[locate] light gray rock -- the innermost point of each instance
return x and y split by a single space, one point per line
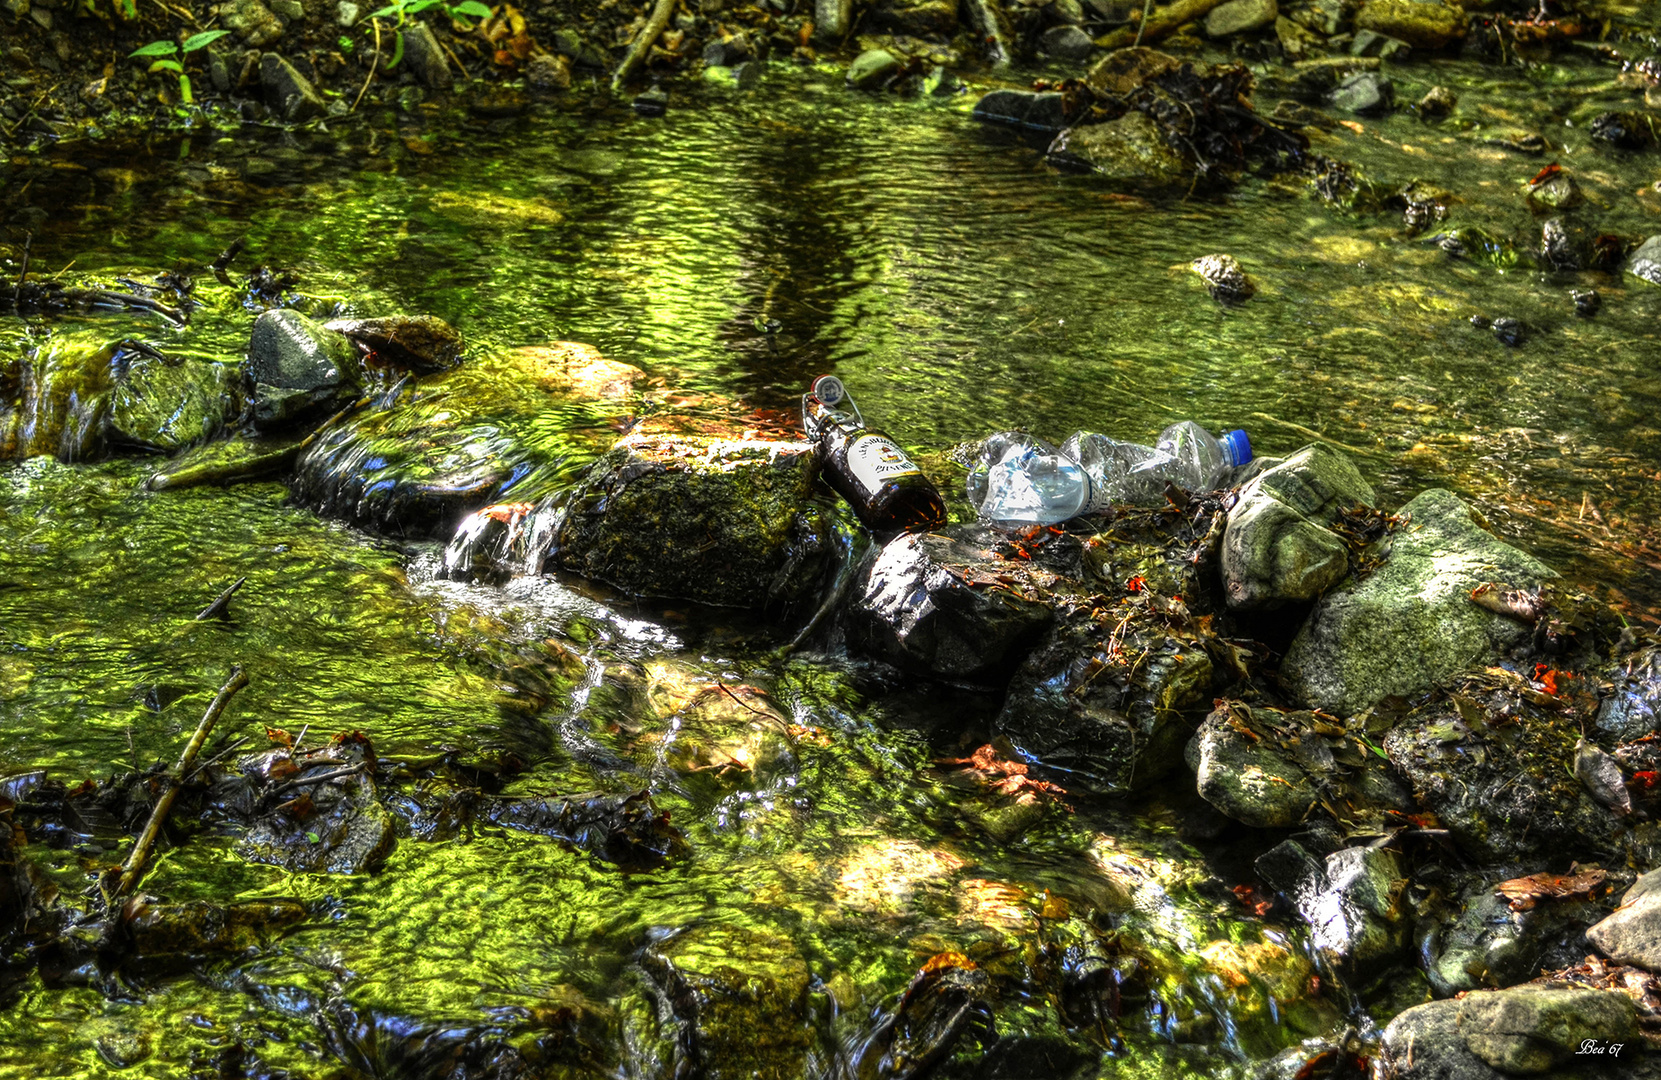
251 21
1646 261
297 367
1277 547
1242 775
871 69
832 19
1240 16
1411 623
1366 93
424 57
1632 935
1531 1029
1425 1043
288 93
1068 42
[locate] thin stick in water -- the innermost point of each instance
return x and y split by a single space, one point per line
221 607
134 867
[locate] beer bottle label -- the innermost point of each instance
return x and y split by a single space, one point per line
874 461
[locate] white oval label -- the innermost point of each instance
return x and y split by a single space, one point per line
875 461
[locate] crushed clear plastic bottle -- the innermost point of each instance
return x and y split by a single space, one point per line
1019 481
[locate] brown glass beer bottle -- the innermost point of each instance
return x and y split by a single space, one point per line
866 467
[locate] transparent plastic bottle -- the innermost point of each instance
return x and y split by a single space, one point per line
1020 481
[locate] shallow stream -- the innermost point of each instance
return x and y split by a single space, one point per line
958 285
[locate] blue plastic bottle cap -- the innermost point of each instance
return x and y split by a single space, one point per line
1239 446
829 389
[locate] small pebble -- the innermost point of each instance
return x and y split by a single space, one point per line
653 102
1509 331
1586 302
1480 322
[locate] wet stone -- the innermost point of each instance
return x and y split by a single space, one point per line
1372 43
1510 331
919 18
932 603
1531 1029
1022 108
1067 43
653 101
1421 25
1352 900
1240 773
1494 767
1646 261
737 513
1365 93
1632 707
1492 944
1131 149
1628 130
420 343
1438 102
1224 278
297 368
169 403
288 93
744 76
253 22
1632 935
1240 16
872 69
424 57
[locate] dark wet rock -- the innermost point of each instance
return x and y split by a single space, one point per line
942 1005
932 603
729 49
1421 25
653 101
1224 278
423 56
1366 93
498 103
288 93
227 461
1563 246
1632 935
297 368
1068 43
1510 331
1631 708
1372 43
1531 1029
1628 130
1586 302
1240 16
251 21
420 343
1109 703
919 18
122 1048
1124 70
737 999
1492 944
1024 108
872 69
549 71
1352 900
1492 759
1438 102
1130 149
168 403
1300 115
1278 546
1646 261
569 42
941 82
626 829
1411 623
737 513
332 820
157 935
1296 42
1241 773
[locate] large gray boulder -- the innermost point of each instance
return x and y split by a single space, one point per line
1532 1029
297 368
1632 935
1411 624
933 603
1277 547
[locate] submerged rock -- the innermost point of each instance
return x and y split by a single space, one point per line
1412 622
289 94
1224 278
1421 25
297 368
872 69
169 403
1365 93
1628 130
333 822
162 936
934 603
1278 546
1131 148
1492 758
1024 108
737 514
420 343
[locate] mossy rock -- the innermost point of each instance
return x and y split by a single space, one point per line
1131 149
1421 25
53 400
167 403
722 521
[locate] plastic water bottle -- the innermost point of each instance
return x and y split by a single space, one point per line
1021 481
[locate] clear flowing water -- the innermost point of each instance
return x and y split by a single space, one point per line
958 285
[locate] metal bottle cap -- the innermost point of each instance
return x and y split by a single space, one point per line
829 389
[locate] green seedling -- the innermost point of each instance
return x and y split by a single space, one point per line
170 57
405 8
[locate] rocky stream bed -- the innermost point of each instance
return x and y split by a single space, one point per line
586 733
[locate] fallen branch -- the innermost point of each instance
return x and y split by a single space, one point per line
221 606
643 43
1160 24
134 867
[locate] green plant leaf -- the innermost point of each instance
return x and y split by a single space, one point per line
167 65
126 10
391 9
314 838
346 44
184 89
397 51
206 37
155 48
471 7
